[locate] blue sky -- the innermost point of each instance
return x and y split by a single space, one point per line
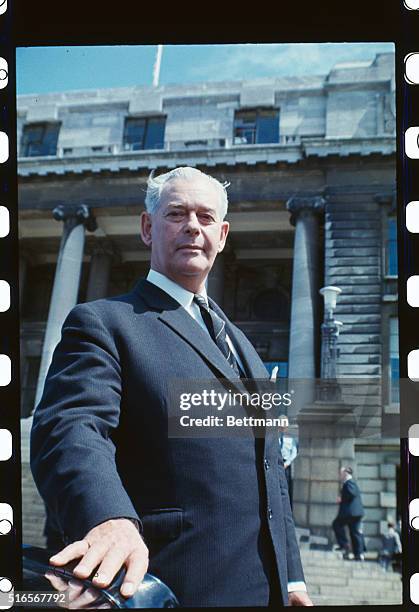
54 69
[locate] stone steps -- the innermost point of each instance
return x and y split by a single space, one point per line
341 565
339 586
331 580
348 568
326 600
366 594
383 582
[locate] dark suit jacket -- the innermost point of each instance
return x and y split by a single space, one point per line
351 504
218 526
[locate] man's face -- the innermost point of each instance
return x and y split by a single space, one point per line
186 232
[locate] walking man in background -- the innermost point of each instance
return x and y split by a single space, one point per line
392 546
350 514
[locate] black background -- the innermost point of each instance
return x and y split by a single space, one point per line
93 22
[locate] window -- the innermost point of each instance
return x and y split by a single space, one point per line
257 126
38 292
391 247
270 305
394 361
40 139
144 133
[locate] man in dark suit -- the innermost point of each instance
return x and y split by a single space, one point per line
205 515
350 514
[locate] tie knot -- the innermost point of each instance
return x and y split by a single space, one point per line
201 301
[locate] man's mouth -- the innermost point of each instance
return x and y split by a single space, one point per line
190 247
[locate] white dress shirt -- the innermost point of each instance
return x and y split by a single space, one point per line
185 299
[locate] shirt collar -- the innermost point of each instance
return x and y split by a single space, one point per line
178 293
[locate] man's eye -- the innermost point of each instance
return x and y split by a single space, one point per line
207 217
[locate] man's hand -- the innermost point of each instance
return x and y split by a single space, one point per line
105 549
299 598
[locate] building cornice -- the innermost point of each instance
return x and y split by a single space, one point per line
342 147
249 155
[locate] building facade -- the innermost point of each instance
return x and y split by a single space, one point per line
311 166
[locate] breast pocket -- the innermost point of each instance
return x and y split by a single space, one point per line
162 524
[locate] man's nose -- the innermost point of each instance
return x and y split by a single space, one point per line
192 224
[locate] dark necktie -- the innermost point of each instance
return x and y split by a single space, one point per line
216 328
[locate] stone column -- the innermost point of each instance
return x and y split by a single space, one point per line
99 272
305 212
66 281
215 283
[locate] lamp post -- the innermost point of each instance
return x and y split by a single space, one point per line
329 388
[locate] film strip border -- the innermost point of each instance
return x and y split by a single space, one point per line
10 496
408 192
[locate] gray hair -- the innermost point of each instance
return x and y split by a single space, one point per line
156 184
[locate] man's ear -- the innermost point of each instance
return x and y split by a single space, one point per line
145 228
225 226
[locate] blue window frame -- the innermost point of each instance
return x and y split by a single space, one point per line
394 361
391 246
258 126
40 139
144 133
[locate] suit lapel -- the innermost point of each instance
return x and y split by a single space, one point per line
175 316
186 327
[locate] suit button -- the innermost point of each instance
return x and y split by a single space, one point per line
270 513
267 464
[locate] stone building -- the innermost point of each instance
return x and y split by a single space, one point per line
311 162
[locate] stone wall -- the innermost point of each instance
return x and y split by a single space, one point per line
374 468
33 510
376 476
353 248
